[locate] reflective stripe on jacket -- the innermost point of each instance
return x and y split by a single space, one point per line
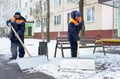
18 21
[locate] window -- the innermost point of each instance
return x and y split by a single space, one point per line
68 17
16 6
57 3
30 0
45 21
69 0
90 14
37 8
57 20
26 4
30 11
20 3
45 6
38 23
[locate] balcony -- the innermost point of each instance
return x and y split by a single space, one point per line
113 3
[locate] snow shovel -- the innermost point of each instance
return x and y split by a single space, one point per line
28 62
77 65
81 64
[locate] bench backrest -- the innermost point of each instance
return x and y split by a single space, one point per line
62 39
85 40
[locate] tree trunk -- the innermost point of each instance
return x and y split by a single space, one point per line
48 21
41 22
81 8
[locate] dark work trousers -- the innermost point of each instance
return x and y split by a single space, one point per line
73 45
14 47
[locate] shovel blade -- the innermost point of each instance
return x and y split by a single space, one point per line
31 62
81 63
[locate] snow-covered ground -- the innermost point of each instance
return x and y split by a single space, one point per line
107 67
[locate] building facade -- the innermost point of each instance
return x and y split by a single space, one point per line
98 18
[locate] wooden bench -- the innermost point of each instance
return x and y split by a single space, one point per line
63 43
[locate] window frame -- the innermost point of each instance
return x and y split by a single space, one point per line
69 1
31 11
90 16
45 6
26 4
31 0
38 23
68 17
57 20
45 21
57 3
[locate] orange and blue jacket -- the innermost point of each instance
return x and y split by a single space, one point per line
19 21
74 28
19 26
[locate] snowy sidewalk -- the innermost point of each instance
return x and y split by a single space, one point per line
12 71
107 67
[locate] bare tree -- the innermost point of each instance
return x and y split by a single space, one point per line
48 21
81 9
41 21
40 14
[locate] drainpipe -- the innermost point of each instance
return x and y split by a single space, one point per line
113 22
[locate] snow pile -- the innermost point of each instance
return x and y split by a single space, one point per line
4 46
107 68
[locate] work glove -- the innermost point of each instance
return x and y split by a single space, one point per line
9 24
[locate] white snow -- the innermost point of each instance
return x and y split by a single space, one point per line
107 67
31 62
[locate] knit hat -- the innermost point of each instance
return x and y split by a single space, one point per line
17 12
78 14
73 14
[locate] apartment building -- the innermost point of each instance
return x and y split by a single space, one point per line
98 18
115 4
105 23
59 16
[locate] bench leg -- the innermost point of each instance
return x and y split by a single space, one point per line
62 50
55 50
94 50
104 50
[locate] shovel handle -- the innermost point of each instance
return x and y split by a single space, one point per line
20 40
